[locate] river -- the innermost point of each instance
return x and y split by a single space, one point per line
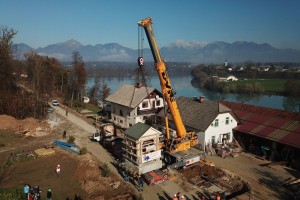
182 86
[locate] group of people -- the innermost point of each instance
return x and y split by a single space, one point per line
178 197
33 193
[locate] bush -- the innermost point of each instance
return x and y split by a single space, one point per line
71 139
105 171
83 151
11 193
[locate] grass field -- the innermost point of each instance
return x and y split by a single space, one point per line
92 107
270 85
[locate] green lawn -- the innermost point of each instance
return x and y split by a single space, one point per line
270 85
92 107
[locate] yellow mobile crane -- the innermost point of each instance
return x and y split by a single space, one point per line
184 140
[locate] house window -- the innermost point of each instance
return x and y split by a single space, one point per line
227 120
158 102
121 112
216 123
130 125
121 121
145 104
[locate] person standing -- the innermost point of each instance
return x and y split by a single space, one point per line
57 170
26 190
67 113
64 134
141 183
182 197
175 197
178 195
49 194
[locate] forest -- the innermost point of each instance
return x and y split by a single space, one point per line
28 86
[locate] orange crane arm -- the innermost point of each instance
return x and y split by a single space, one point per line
165 82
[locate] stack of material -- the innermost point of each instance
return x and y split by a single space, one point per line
44 152
67 146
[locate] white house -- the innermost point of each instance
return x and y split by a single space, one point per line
227 79
212 122
131 104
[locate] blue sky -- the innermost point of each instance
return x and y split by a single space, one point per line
43 22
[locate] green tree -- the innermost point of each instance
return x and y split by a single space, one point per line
292 88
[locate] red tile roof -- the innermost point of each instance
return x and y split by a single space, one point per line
277 125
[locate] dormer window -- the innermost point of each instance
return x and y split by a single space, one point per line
145 104
216 123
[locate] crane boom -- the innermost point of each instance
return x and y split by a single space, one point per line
165 82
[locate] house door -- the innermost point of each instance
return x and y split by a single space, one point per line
225 138
213 139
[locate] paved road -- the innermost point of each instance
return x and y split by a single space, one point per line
163 191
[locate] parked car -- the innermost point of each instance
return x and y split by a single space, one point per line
55 103
50 110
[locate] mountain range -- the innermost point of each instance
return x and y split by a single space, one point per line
179 51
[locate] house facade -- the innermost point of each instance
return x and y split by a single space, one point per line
131 104
141 149
211 121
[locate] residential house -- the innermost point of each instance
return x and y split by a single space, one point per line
228 78
131 104
211 121
142 149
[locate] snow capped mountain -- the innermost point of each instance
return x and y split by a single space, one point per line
178 51
186 44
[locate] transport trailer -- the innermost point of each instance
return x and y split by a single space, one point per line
155 177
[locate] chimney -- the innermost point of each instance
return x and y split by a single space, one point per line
201 99
138 85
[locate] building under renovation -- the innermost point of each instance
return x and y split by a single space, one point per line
141 149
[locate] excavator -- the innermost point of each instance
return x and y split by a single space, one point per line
177 150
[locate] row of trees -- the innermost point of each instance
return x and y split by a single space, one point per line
26 87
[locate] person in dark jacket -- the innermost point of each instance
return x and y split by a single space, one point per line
49 194
141 183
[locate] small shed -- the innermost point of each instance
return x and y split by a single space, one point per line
142 151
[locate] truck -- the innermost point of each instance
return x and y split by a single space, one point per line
178 151
109 139
105 131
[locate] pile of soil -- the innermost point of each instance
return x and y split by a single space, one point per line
28 127
98 187
207 175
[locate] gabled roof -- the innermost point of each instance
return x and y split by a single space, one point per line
137 130
129 95
198 115
273 124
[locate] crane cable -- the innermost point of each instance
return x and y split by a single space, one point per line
141 69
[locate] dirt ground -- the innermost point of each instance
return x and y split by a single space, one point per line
80 175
